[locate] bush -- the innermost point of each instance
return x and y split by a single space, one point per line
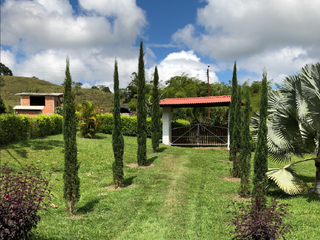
258 221
22 195
16 128
129 124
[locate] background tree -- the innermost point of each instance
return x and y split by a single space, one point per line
130 93
104 88
71 179
117 138
4 70
2 106
236 135
261 154
245 152
294 126
156 113
141 114
77 86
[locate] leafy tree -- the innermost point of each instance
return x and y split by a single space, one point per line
117 138
141 114
77 86
2 106
236 135
156 113
4 70
95 87
245 152
71 179
261 154
294 126
130 93
88 115
104 88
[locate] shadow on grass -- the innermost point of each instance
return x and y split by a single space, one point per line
46 145
162 149
127 182
88 207
151 160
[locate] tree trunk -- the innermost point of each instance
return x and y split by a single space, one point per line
316 187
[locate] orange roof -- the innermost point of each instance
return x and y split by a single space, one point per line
212 101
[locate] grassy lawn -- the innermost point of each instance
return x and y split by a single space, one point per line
184 196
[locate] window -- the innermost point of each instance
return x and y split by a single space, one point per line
37 101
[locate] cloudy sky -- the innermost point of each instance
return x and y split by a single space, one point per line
178 36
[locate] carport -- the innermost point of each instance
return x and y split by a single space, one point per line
169 103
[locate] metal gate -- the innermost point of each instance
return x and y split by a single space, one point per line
200 134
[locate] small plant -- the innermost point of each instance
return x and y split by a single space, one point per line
22 195
58 110
89 115
258 221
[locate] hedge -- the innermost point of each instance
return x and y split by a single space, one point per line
129 125
21 127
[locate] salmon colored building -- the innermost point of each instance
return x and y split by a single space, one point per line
33 104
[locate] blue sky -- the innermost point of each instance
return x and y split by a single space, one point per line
178 36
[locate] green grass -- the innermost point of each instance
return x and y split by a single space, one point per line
15 85
184 196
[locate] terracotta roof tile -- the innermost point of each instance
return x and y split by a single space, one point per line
211 101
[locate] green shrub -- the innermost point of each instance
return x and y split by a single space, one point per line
16 128
129 124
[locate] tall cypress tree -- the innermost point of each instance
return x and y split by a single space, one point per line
117 138
236 135
155 123
141 113
261 154
232 105
71 179
245 152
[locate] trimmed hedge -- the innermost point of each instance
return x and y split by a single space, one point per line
21 127
129 125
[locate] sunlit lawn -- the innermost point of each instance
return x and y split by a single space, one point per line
184 196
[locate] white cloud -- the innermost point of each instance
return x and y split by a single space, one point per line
40 24
187 62
281 36
41 33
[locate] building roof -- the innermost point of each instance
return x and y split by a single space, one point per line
39 108
40 94
212 101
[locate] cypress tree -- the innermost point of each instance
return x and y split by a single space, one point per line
232 105
245 152
141 113
236 135
117 138
155 123
71 179
261 154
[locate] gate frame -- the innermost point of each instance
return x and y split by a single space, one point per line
168 103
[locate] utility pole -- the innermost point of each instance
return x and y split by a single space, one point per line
208 90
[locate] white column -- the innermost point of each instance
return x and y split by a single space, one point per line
166 125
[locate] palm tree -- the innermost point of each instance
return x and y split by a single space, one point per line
294 126
88 115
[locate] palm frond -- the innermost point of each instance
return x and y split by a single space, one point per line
285 179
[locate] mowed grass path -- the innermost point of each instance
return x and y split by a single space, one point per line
184 196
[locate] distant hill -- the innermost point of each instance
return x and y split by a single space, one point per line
13 85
